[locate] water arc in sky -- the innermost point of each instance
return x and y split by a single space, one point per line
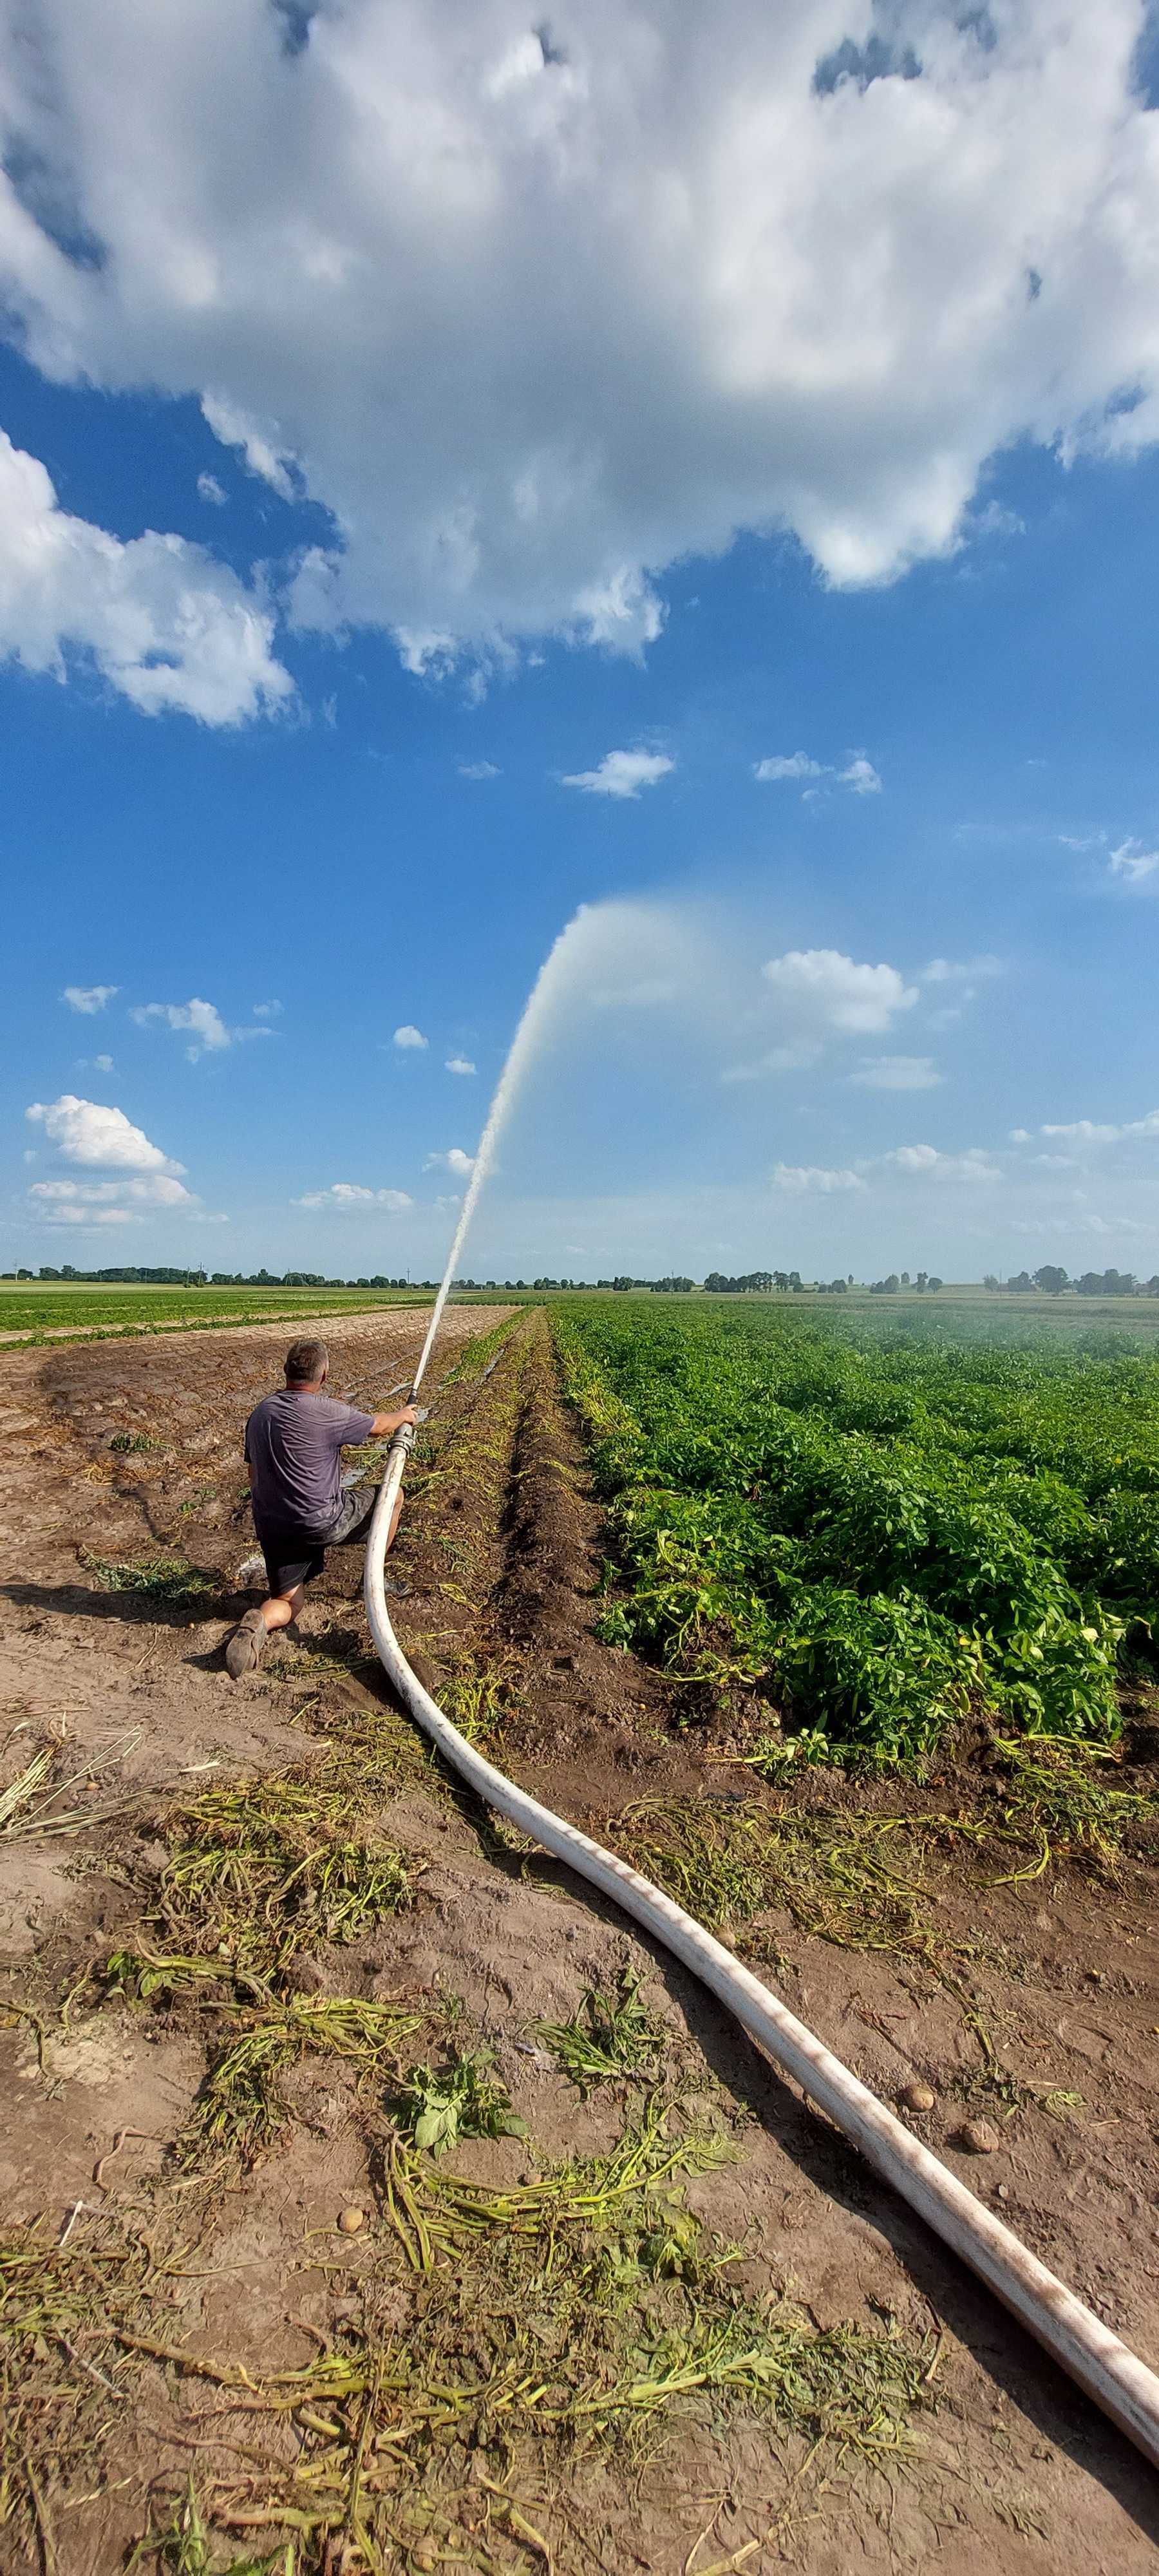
583 945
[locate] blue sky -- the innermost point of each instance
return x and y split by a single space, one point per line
363 616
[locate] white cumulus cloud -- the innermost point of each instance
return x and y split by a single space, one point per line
409 1037
459 1064
811 284
88 998
622 773
898 1073
811 1179
822 987
161 620
454 1160
350 1197
478 770
86 1131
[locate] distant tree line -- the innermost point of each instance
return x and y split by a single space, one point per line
753 1282
750 1283
1050 1277
1093 1283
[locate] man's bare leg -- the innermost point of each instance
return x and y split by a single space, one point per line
249 1640
281 1607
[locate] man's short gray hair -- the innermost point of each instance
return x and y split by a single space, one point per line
306 1363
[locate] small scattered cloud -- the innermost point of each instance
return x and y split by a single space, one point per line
201 1021
267 1010
1093 1131
479 770
898 1073
459 1064
792 764
89 1132
810 1179
963 970
351 1197
103 1063
831 990
88 998
779 1059
622 773
408 1037
454 1160
994 520
1132 863
1021 1136
1082 840
209 489
858 775
928 1162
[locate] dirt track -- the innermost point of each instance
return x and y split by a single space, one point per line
500 1554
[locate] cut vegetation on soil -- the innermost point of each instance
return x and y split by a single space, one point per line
374 2200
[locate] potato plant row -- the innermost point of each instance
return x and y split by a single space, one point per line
875 1527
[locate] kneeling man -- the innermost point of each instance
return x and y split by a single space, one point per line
293 1445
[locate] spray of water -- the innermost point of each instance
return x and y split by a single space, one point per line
596 934
551 981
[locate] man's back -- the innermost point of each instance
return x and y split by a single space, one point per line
293 1442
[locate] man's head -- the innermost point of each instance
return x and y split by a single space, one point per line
307 1364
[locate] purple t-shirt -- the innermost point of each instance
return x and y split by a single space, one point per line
294 1443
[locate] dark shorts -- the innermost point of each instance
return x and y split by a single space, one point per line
296 1556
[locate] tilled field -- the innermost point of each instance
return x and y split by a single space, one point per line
263 1960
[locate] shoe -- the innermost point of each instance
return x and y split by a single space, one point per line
247 1645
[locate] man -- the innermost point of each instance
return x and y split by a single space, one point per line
293 1445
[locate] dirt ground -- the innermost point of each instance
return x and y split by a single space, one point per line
243 2285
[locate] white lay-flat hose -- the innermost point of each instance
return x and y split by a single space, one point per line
1118 2381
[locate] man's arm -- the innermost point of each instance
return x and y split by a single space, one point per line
386 1423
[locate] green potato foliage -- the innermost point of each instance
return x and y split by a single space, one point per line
876 1527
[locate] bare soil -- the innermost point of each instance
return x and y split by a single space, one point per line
495 1573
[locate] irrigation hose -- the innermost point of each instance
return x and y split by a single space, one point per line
1105 2367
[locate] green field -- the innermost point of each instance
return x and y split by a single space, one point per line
33 1312
872 1522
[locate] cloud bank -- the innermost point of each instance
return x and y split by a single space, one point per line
849 266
